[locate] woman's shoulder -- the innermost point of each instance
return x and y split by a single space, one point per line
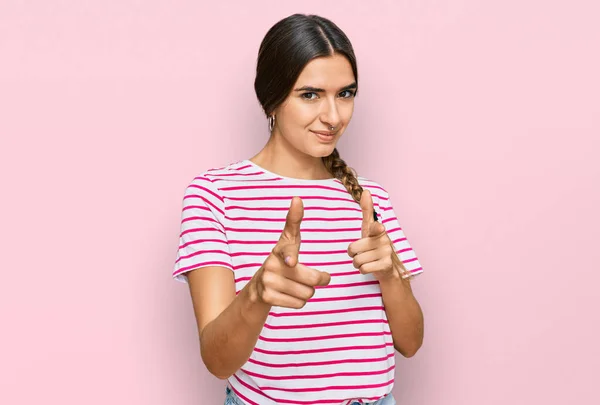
231 168
229 171
227 176
372 185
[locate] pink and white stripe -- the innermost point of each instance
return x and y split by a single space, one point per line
338 347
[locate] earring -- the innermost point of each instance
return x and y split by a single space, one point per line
271 122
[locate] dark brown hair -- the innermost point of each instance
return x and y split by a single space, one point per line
284 52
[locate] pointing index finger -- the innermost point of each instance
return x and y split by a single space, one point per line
288 246
291 229
369 216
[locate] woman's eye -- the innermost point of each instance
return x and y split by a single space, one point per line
349 93
309 94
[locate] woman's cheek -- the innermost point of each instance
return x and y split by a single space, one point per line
307 113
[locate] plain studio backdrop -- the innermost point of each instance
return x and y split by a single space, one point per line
481 118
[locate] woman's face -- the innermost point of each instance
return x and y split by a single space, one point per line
322 97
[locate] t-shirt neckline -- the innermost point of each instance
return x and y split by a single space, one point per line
329 180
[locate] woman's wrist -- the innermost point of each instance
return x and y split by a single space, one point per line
396 277
253 309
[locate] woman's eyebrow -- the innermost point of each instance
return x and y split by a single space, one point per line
318 90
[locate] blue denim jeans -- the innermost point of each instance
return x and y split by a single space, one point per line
232 399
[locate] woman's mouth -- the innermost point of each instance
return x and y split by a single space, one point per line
325 136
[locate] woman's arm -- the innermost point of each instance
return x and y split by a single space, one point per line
404 314
375 254
228 326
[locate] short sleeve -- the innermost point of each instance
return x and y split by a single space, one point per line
202 241
404 249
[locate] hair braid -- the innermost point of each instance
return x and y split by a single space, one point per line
341 171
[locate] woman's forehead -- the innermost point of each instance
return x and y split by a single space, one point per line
328 73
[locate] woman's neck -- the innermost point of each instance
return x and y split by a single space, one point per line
289 162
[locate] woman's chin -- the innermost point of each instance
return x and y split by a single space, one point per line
323 150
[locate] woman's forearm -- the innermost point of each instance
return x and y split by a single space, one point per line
404 314
227 342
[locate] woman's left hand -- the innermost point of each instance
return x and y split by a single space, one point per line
374 253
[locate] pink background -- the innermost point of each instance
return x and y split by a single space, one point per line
480 117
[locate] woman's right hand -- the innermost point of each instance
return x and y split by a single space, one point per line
281 280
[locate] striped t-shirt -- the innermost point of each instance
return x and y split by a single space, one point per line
338 347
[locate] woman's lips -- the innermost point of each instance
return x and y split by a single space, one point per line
324 136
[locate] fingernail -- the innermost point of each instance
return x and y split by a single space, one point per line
287 260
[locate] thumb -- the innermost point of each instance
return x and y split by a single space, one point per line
366 204
325 279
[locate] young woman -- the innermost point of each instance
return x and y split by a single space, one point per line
298 269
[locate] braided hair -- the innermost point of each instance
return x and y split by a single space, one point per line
341 171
